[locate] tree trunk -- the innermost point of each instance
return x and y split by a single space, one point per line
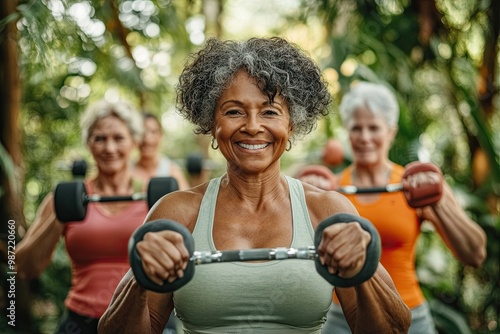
15 295
487 90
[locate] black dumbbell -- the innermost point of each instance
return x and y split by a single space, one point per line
71 198
79 168
194 163
204 257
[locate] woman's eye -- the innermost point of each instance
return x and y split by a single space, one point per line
355 129
232 112
270 112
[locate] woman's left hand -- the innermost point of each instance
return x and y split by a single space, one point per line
343 248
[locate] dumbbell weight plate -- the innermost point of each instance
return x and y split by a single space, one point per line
194 163
160 186
79 168
70 202
373 251
136 261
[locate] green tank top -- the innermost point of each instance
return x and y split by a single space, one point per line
279 296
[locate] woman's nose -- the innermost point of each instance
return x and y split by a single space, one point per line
365 134
253 124
110 145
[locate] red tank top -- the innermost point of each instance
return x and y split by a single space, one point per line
399 228
97 247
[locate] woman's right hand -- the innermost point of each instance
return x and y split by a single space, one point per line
164 256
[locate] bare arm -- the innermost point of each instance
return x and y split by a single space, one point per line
132 308
135 310
375 306
35 250
464 237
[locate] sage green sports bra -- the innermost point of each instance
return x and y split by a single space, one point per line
279 296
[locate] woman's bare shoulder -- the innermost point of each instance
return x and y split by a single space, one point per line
325 203
181 206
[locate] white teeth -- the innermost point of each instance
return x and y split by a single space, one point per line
252 147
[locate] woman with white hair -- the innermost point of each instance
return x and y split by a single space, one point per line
370 114
97 246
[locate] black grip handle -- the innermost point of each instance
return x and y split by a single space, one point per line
136 261
373 251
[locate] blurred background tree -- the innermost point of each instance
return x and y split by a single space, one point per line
441 57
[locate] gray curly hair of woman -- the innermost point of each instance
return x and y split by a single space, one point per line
278 66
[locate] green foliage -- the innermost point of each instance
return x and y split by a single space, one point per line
448 320
73 52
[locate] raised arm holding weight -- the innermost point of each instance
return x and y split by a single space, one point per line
370 113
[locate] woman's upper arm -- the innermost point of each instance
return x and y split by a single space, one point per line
179 206
34 252
323 204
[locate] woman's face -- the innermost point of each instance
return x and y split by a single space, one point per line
111 145
370 137
252 134
152 138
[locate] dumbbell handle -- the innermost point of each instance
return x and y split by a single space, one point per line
390 188
256 254
99 198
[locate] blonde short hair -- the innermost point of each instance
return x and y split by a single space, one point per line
121 109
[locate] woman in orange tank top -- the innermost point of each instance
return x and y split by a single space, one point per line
370 114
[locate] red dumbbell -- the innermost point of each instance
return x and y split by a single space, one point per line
422 184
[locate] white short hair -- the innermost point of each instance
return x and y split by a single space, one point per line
377 98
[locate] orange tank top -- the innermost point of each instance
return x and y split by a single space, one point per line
97 247
399 228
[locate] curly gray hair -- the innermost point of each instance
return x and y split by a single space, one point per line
280 67
123 110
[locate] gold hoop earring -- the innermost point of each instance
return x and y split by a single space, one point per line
288 145
214 144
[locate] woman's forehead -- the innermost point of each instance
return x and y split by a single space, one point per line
109 123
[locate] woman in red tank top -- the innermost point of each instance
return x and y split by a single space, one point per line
97 246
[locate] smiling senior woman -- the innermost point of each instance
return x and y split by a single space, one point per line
97 246
254 97
370 114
